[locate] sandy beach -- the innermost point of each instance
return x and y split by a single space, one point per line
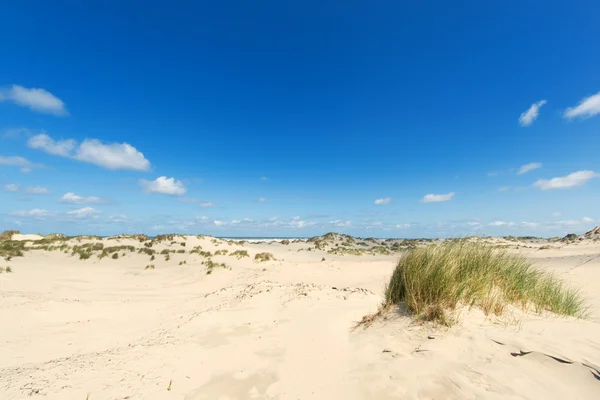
114 328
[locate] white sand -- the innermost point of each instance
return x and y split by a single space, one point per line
275 330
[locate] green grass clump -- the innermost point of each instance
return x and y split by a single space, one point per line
285 242
115 256
5 269
12 248
146 250
435 279
151 266
263 257
221 252
240 254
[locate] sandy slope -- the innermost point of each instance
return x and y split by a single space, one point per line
275 330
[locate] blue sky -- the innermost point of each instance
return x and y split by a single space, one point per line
274 118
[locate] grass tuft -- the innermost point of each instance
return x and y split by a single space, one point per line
433 280
240 254
263 257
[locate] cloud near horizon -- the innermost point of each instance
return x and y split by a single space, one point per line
113 156
17 161
529 167
35 99
12 187
164 185
587 107
437 198
574 179
531 114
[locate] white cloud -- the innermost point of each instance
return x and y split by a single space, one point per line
574 179
25 164
29 190
556 214
531 114
531 225
529 167
403 226
36 190
72 198
340 224
206 204
437 198
113 156
382 201
84 212
501 223
587 220
164 185
219 223
45 143
262 200
39 100
11 187
36 213
117 218
587 107
187 200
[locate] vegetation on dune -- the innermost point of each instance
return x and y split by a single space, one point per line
12 248
263 257
211 265
150 266
106 251
7 235
222 252
146 250
240 254
436 279
285 242
5 269
198 250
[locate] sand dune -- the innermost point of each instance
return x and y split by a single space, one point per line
280 329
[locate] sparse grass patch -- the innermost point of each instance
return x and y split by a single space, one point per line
240 254
285 242
7 235
436 279
12 248
221 252
211 265
150 266
5 269
182 262
263 257
146 250
115 256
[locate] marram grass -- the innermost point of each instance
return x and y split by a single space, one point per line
435 279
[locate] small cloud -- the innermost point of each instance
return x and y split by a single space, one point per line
35 99
437 198
530 225
16 161
587 107
529 167
206 204
531 114
36 190
36 213
29 190
340 224
262 200
503 188
501 223
164 185
118 218
219 223
85 212
113 156
72 198
11 188
556 214
383 201
574 179
403 226
587 220
187 200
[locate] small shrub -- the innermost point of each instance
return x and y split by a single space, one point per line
323 259
165 251
167 257
150 266
211 265
182 244
240 254
285 242
182 262
180 251
221 252
263 257
115 256
152 258
7 235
